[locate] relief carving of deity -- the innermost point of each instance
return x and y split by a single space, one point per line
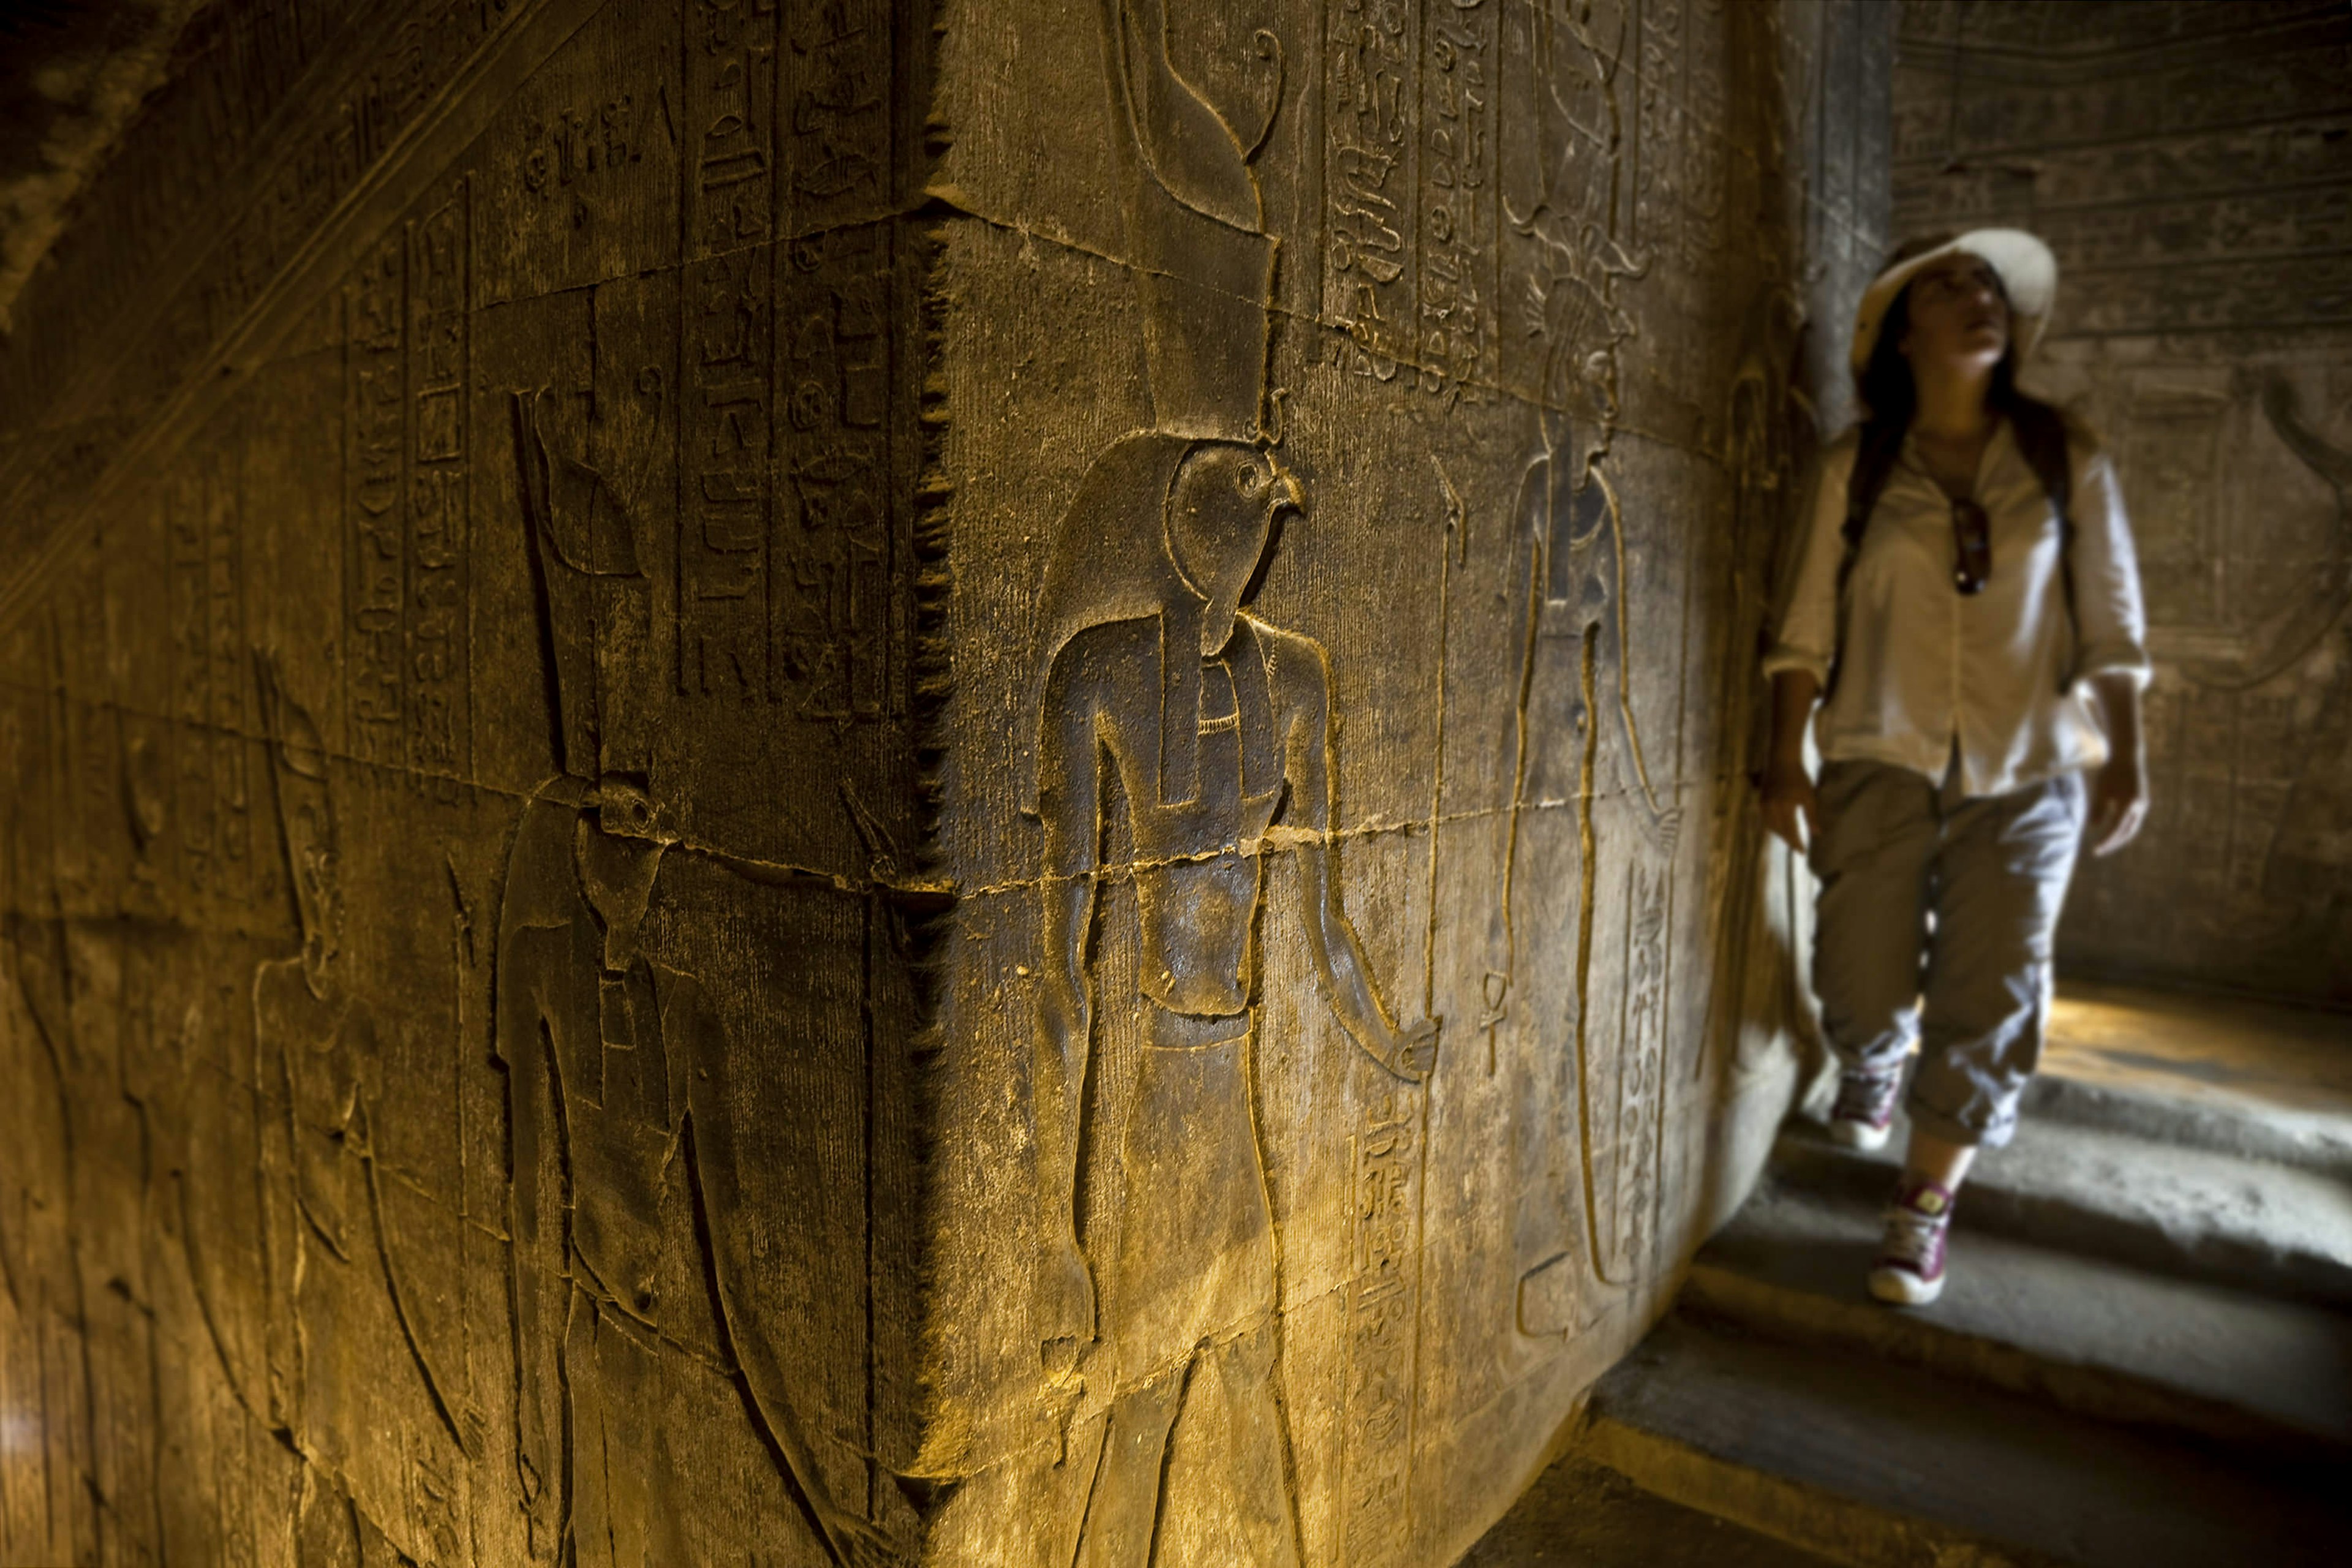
1214 727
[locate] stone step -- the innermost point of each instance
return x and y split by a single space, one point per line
2101 1338
2144 1109
1883 1466
1581 1514
2256 1080
2250 1224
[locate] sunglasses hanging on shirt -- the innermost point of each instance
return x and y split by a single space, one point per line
1972 546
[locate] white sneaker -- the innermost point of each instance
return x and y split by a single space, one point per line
1909 1270
1865 1112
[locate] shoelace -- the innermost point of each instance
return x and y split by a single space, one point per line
1865 1097
1912 1239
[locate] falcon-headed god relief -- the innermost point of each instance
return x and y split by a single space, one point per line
1216 727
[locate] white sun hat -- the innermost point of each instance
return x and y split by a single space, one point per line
2028 273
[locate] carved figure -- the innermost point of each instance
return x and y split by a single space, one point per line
340 1289
1215 728
618 1071
1572 608
2303 868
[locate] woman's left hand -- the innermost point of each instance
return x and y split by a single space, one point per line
2118 804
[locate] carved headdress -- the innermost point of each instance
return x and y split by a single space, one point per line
306 815
592 602
1205 275
1204 262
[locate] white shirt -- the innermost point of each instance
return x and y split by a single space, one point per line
1928 671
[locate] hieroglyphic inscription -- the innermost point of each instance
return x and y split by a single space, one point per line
212 795
1627 1162
1383 1303
730 102
837 71
438 511
1658 128
375 406
726 441
1457 192
570 150
1367 178
405 71
1706 170
726 426
404 367
831 622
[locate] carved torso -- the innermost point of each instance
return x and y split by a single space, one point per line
1197 889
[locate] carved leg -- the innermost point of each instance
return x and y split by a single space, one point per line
588 1528
1123 1513
1259 1462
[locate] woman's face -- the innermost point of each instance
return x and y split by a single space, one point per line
1958 315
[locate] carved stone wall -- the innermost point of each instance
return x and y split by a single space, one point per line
831 785
2191 164
1455 339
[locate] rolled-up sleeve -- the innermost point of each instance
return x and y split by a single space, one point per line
1804 622
2111 621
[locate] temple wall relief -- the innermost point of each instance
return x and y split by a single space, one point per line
843 783
1369 427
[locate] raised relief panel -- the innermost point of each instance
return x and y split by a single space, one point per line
1173 721
639 1203
376 1394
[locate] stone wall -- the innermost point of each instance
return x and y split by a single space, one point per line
1510 296
2193 166
827 784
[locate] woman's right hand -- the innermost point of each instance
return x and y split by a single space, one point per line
1790 807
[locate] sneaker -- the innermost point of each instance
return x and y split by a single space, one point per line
1865 1106
1909 1270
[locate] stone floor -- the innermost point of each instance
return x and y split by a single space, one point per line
1581 1514
2144 1355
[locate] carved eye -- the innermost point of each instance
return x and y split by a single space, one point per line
1250 480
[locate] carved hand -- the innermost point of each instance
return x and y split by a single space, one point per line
1066 1304
858 1543
1412 1051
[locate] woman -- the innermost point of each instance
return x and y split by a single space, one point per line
1966 609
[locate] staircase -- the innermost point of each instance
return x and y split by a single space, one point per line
2143 1355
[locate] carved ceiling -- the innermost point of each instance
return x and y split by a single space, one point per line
72 76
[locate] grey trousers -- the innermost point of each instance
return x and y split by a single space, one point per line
1935 922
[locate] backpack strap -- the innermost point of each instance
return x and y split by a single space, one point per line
1873 465
2041 442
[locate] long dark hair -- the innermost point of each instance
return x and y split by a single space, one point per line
1890 398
